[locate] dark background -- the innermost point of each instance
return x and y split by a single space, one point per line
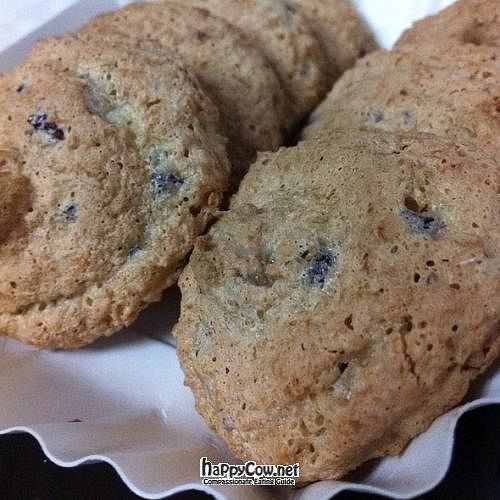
25 473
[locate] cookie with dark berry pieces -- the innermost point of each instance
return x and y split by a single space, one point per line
231 69
111 165
453 93
344 301
465 21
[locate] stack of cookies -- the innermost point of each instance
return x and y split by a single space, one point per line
119 142
352 291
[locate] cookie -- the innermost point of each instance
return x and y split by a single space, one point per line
465 21
345 301
110 166
285 37
454 93
344 35
234 72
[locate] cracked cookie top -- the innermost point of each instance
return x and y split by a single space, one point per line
345 300
110 166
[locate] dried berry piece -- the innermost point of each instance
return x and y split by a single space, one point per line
70 212
376 116
39 123
53 131
406 118
320 267
162 183
423 223
134 250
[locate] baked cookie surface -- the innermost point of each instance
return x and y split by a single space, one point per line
285 37
233 71
453 93
345 301
110 166
342 32
465 21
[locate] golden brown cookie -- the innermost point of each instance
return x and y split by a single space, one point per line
285 37
233 71
453 93
465 21
346 300
344 35
110 166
